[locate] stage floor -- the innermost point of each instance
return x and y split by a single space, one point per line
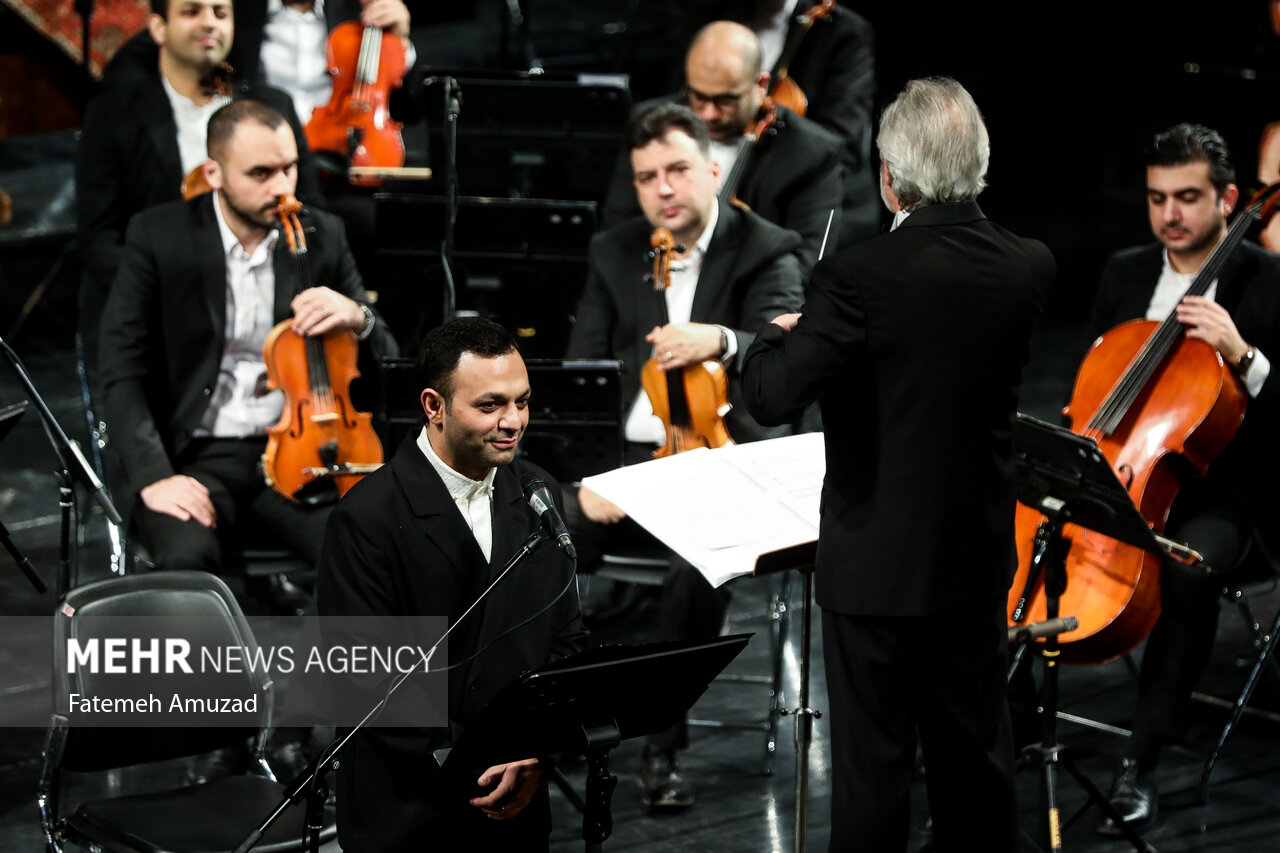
738 809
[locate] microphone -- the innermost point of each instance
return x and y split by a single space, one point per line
539 497
1036 630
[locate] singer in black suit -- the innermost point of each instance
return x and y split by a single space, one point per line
404 542
914 343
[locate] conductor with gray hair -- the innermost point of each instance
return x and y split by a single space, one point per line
914 343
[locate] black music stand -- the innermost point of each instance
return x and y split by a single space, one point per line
1066 477
590 703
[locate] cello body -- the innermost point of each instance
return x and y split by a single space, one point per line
320 437
366 64
1179 421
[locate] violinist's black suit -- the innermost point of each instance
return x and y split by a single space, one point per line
163 335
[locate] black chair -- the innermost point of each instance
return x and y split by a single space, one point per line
1257 572
210 816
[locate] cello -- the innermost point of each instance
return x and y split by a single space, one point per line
691 400
366 64
1158 404
321 443
782 88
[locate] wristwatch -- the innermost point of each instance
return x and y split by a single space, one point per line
1245 362
368 321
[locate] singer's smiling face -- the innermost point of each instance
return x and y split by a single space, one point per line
481 423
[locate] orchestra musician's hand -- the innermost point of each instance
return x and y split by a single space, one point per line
597 508
317 310
1208 321
390 15
516 782
786 321
185 498
681 344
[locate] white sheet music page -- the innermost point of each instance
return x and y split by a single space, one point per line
721 509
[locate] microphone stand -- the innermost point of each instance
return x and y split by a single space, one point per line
311 779
74 468
452 107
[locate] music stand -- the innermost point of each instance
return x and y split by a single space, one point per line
590 703
1066 477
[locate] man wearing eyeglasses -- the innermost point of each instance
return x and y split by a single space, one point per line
792 176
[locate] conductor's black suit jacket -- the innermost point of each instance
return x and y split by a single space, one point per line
914 342
396 545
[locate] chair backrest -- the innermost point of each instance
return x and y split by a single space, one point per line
194 605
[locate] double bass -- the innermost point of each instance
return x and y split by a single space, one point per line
1158 404
366 64
692 400
321 444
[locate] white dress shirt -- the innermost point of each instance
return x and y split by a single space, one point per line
474 498
773 38
240 404
192 121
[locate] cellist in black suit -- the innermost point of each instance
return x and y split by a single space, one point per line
1190 193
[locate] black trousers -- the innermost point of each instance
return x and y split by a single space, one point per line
941 677
1179 646
230 470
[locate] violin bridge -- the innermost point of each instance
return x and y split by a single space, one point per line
324 418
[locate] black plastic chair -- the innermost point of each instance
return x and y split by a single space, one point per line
210 816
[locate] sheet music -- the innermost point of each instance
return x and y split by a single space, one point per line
721 509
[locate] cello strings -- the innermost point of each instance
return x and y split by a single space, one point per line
1152 354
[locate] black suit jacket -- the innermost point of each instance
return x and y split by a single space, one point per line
793 178
749 275
396 545
128 159
164 327
914 342
1249 288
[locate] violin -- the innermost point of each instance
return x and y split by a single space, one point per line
321 444
1159 405
782 88
366 64
692 400
764 122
